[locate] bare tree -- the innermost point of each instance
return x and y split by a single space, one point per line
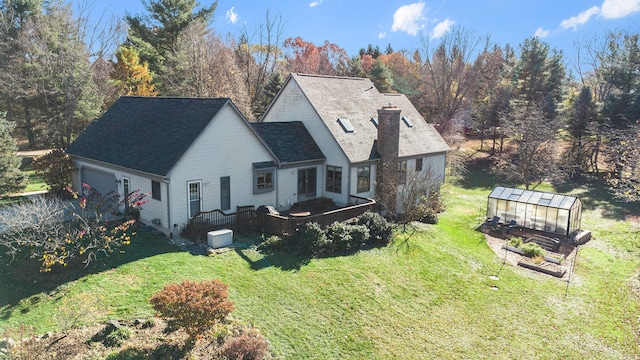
202 65
448 78
54 231
257 53
534 160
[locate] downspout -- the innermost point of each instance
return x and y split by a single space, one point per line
349 183
169 227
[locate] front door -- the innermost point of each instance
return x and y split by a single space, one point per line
195 198
306 184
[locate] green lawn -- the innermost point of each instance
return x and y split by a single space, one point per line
428 295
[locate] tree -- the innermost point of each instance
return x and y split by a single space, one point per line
130 76
11 178
539 72
55 168
155 35
56 232
534 159
447 79
381 77
49 90
270 91
258 53
202 65
306 57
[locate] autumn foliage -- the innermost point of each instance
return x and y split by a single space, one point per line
195 307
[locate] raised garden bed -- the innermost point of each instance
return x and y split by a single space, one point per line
551 259
545 267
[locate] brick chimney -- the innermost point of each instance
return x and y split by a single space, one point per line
388 145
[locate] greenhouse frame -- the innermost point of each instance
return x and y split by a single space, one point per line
543 211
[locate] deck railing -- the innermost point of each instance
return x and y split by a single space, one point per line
246 217
286 226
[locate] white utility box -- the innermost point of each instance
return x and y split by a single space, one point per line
220 238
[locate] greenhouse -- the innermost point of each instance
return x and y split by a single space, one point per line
552 213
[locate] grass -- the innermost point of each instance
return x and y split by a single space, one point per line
428 295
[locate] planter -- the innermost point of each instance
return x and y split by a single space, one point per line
546 258
547 268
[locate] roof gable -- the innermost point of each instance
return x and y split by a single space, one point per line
289 141
148 134
357 100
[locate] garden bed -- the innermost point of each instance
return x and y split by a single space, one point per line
544 267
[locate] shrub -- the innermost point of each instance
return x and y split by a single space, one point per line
55 168
359 235
195 307
249 345
380 230
515 242
532 249
273 243
311 238
338 237
117 336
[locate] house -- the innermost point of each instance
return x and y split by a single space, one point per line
322 137
189 154
358 129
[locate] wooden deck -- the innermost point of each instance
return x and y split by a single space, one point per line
321 210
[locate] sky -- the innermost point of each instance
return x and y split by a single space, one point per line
353 24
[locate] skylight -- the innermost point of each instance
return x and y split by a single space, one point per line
407 121
346 125
374 121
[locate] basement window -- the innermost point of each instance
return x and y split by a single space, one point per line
346 125
407 121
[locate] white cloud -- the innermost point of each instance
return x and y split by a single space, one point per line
442 28
542 33
382 35
408 17
581 19
614 9
231 16
315 3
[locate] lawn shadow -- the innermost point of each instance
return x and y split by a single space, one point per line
594 194
21 278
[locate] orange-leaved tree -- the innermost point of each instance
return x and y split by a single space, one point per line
130 76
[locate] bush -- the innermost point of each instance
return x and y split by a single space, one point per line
338 237
380 230
515 242
117 337
195 307
532 249
273 243
311 238
249 345
55 168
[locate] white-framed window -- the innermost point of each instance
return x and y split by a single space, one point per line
263 180
194 189
155 190
364 179
334 179
402 172
126 191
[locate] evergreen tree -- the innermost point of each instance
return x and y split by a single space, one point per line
381 77
155 34
11 178
270 91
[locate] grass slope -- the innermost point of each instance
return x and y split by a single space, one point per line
428 295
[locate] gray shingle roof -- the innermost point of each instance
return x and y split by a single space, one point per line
357 100
148 134
289 141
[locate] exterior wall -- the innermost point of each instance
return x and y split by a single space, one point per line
137 181
432 173
292 105
227 147
287 183
353 179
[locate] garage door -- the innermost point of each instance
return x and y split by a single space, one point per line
103 182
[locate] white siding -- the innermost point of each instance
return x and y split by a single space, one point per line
287 183
226 147
150 210
292 105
